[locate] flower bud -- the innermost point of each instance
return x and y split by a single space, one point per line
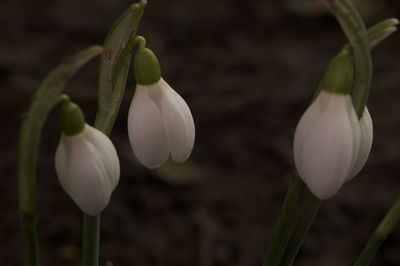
159 124
159 121
86 163
331 145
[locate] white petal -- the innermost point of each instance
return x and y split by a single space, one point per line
356 135
323 145
85 172
309 118
179 123
365 140
61 165
146 128
109 156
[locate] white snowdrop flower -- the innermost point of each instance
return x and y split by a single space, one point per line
331 144
160 123
86 163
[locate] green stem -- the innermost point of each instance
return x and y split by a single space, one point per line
125 55
91 239
310 209
348 4
46 97
114 68
28 227
354 28
386 226
282 231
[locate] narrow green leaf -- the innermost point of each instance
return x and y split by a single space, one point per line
385 228
381 31
285 222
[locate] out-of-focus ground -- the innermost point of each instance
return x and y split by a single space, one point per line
248 70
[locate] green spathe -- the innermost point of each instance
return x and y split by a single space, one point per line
146 67
339 76
71 118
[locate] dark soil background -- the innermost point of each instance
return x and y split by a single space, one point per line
248 70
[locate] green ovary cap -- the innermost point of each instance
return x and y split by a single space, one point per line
146 67
71 118
339 76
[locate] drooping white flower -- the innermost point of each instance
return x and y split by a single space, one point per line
331 145
88 169
160 124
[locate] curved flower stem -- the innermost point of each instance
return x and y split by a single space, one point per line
125 55
282 231
106 116
46 97
387 225
354 28
310 209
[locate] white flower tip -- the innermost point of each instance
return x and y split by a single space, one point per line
324 190
152 164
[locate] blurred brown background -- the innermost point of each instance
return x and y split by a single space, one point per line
248 70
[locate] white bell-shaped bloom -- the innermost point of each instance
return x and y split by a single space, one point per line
159 124
88 169
331 145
